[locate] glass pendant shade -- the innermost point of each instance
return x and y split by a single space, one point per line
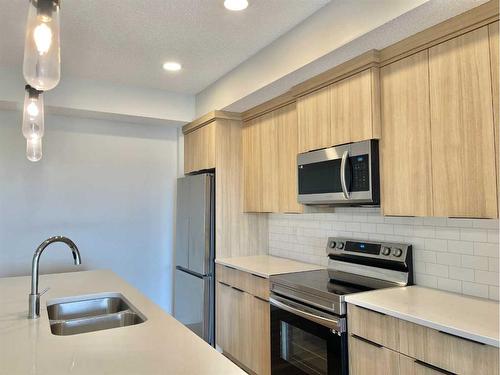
33 114
34 149
42 59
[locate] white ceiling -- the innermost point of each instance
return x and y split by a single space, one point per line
127 41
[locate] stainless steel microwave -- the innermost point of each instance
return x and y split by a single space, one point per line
346 175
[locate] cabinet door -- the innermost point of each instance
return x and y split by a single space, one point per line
286 123
406 171
462 136
259 338
199 149
367 358
252 182
269 163
354 108
314 118
495 80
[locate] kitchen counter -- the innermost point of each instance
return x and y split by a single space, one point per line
267 265
469 317
160 345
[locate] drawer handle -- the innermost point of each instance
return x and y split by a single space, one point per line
223 283
262 299
373 311
424 364
238 289
260 277
366 341
461 338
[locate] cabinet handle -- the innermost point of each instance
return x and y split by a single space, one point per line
238 289
461 338
366 341
424 364
262 299
260 277
223 283
372 311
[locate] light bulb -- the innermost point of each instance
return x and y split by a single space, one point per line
42 61
42 36
236 5
33 114
34 149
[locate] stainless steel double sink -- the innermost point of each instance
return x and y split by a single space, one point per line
71 316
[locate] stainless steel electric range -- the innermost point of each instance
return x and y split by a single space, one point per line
308 310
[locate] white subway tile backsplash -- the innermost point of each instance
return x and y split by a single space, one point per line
459 255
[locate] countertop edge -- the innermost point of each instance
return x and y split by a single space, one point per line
239 268
414 319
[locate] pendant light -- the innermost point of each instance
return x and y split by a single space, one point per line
33 122
42 61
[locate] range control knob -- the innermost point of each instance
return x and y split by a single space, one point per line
340 245
386 250
332 244
397 252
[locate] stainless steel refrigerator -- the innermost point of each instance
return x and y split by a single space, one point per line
194 302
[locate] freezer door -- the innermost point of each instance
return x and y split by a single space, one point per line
200 223
194 303
182 223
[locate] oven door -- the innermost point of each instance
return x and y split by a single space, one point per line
305 340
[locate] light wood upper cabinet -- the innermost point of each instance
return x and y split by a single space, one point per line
495 79
355 108
462 136
270 162
314 120
199 149
406 172
286 122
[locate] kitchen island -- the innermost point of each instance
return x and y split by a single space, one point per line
160 345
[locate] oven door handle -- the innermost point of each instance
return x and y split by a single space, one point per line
343 166
332 323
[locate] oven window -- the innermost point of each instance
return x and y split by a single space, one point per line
320 178
303 350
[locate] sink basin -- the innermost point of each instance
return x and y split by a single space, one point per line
91 313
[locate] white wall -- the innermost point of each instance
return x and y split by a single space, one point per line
108 186
458 255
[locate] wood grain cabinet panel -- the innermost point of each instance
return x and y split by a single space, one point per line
287 148
354 108
411 366
367 358
252 167
495 80
462 136
406 168
252 284
314 120
379 328
199 149
269 188
451 353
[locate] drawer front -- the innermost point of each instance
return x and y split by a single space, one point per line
411 366
250 283
379 328
369 358
450 353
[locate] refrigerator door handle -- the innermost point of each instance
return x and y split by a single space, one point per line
192 273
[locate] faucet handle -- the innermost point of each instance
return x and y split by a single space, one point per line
44 291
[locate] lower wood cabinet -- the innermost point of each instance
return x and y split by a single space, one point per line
415 349
243 321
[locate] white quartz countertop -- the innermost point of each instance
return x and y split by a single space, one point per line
267 265
469 317
160 345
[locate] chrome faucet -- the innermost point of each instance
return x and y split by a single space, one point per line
34 300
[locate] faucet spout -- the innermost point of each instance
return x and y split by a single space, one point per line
34 297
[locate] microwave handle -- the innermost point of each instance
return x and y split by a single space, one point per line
343 166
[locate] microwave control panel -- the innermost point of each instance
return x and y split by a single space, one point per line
360 173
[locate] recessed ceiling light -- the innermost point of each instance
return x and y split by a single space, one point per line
172 66
236 4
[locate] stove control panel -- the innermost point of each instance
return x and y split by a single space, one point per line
383 250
